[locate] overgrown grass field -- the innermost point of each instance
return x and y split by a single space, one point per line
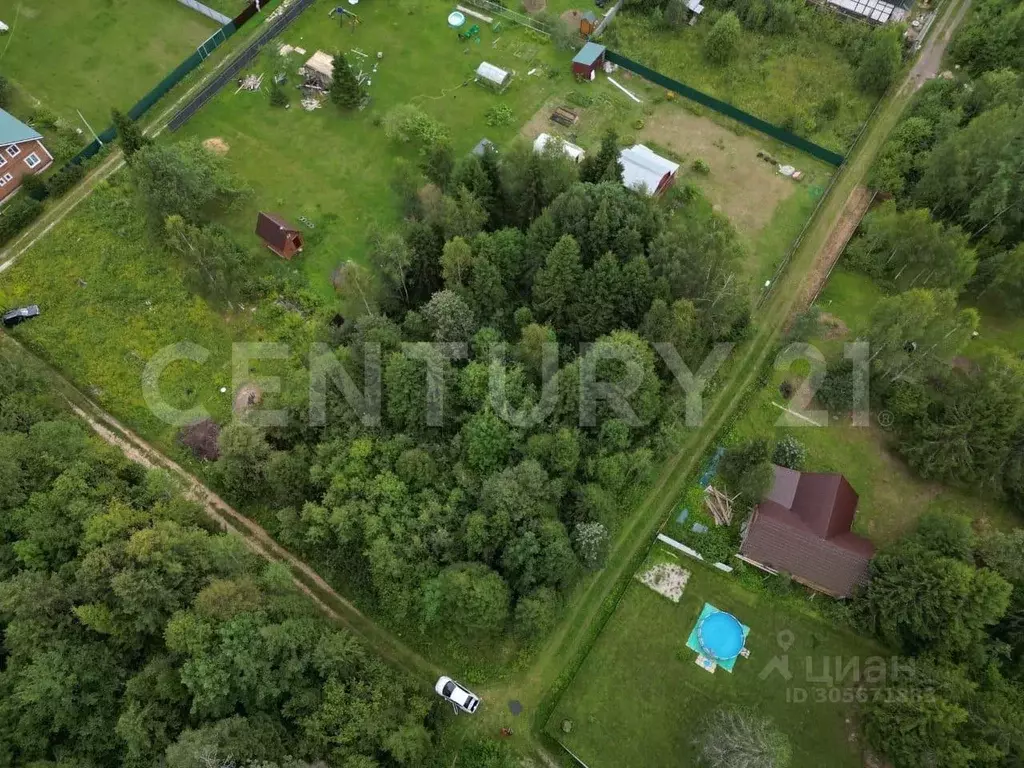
94 56
640 698
783 79
111 298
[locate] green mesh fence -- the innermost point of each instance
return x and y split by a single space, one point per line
727 109
143 105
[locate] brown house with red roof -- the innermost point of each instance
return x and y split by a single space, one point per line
802 527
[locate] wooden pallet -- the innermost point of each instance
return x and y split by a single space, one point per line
565 116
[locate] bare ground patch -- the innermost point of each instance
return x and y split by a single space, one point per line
856 206
667 579
834 327
217 145
540 122
740 185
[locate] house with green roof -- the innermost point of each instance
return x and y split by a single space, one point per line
21 154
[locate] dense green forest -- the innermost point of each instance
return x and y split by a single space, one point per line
473 517
135 635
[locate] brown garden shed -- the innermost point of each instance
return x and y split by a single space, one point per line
278 235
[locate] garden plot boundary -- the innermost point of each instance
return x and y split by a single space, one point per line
727 109
197 57
242 59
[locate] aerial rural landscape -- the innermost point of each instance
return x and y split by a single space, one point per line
512 384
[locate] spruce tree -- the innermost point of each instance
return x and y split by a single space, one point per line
278 98
129 134
345 89
605 165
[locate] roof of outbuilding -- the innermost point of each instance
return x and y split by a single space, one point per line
13 131
273 228
802 526
490 72
543 139
588 54
321 62
642 168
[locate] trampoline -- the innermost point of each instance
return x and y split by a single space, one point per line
718 636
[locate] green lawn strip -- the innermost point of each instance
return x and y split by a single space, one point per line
772 77
640 697
80 55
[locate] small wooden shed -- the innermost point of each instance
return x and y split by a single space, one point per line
278 235
588 23
589 59
319 69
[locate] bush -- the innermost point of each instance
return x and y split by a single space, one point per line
836 390
790 452
17 215
724 38
34 187
5 91
499 115
718 544
65 179
591 542
407 122
829 108
701 167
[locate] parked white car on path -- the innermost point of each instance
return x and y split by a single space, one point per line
457 694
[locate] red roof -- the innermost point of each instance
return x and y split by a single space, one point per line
802 527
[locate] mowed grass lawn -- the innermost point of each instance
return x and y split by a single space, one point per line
639 698
95 55
772 77
892 496
335 168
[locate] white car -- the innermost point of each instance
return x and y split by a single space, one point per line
459 696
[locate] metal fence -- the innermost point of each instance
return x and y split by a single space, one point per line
196 58
209 13
506 13
241 60
607 19
724 108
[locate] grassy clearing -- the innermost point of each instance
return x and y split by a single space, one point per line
88 56
774 77
110 299
640 692
892 497
335 169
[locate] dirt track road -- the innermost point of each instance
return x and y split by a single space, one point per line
229 519
929 61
